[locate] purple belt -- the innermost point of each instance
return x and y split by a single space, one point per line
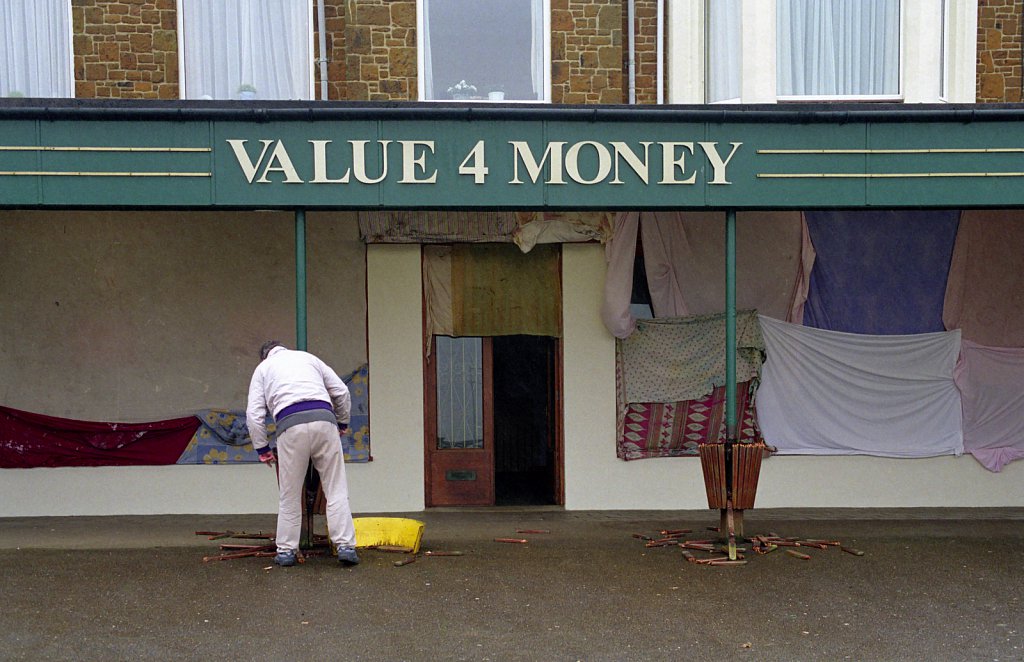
306 405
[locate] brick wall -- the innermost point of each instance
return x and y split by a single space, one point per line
645 14
125 49
586 51
380 50
999 50
129 49
337 73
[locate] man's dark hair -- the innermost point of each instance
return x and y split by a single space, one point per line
267 346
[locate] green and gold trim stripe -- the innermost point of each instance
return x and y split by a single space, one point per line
72 173
883 175
938 150
56 148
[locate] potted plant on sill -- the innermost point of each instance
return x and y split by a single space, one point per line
462 90
246 92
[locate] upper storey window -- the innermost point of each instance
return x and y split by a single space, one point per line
769 51
35 49
246 49
482 50
838 48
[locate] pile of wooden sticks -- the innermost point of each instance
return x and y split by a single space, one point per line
231 551
759 544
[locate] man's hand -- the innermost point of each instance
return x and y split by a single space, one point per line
343 428
267 456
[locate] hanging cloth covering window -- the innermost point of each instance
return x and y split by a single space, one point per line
991 383
29 440
684 256
669 383
879 272
492 290
683 358
985 290
833 393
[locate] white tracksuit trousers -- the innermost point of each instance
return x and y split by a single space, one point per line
317 441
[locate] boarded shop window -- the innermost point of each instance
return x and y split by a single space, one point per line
492 290
484 50
246 49
29 28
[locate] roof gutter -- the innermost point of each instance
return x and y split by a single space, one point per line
193 111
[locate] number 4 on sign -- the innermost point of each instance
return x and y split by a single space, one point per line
474 162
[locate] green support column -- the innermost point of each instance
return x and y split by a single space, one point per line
732 520
300 279
312 481
730 324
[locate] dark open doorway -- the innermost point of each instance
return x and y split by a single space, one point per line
524 420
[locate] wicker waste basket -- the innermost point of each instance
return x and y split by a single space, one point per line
746 465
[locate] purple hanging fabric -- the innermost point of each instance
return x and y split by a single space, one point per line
879 272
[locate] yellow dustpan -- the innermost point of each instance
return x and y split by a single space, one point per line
389 531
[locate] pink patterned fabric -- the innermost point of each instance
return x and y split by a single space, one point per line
678 428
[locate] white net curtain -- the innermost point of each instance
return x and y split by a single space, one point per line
838 47
824 48
29 28
246 49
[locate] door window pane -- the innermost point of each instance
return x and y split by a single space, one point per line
838 47
460 395
35 49
246 49
484 49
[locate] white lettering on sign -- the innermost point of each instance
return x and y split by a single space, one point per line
587 162
717 162
411 162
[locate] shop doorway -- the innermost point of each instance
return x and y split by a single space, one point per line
493 421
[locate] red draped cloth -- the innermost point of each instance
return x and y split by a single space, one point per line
33 440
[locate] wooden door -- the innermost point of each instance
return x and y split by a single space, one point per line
459 422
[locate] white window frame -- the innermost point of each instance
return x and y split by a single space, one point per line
69 80
309 54
421 72
920 54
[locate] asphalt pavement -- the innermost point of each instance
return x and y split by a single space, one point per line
930 585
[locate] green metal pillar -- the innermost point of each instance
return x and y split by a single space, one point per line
300 279
730 324
311 484
729 516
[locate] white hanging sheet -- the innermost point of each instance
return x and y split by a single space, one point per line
832 393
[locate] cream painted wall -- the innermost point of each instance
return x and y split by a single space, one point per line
144 316
595 478
394 480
